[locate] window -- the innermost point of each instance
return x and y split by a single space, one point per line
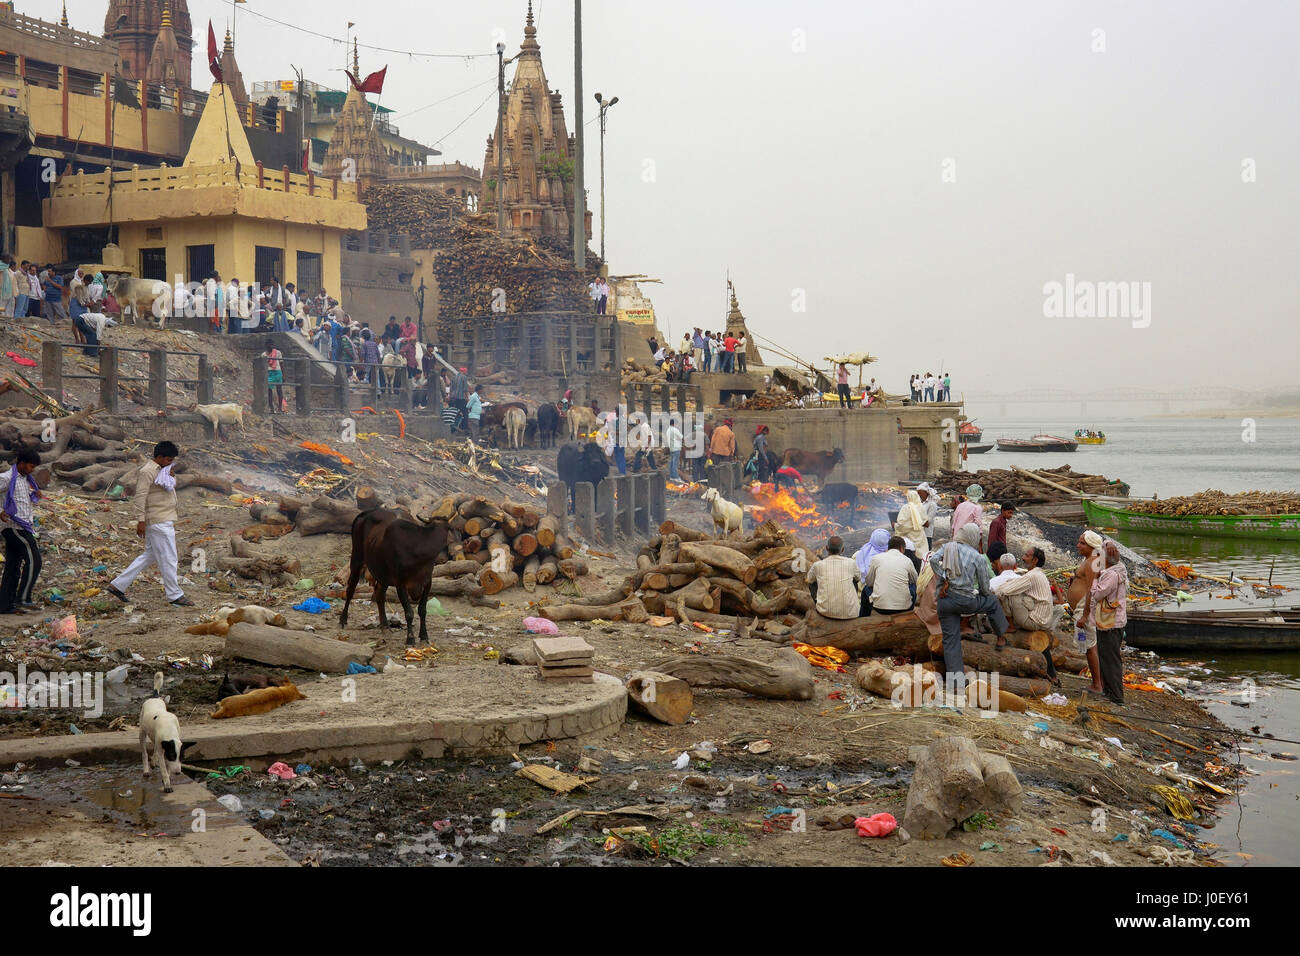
153 264
201 262
268 263
309 273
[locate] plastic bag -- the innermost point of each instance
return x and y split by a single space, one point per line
65 629
540 625
231 803
435 607
880 825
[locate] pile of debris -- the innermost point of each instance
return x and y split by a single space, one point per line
479 265
1221 503
769 399
1018 486
634 373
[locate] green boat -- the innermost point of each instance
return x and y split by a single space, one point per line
1281 527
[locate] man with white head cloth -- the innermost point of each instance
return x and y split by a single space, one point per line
929 508
1079 599
962 579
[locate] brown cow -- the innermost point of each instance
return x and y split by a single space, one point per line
399 553
819 463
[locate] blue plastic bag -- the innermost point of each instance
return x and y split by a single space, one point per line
313 605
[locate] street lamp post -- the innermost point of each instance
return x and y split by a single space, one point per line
579 176
604 108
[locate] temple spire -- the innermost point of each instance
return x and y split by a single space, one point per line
63 20
530 43
356 60
167 14
230 42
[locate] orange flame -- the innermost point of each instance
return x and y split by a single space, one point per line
788 510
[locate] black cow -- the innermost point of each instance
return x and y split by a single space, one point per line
548 424
840 493
579 463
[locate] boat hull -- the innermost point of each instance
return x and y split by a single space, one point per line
1204 632
1269 527
1005 444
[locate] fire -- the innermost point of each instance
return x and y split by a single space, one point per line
787 509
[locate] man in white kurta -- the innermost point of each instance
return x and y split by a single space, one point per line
155 510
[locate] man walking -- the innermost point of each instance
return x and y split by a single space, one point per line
22 553
458 396
155 511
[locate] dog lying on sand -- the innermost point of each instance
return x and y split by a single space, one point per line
257 702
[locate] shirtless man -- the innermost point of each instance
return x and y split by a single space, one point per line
1079 600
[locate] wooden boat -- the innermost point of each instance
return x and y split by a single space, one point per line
970 432
1251 629
973 449
1084 438
1037 443
1279 527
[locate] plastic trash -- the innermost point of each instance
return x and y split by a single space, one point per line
313 605
231 803
435 607
355 668
540 625
117 675
73 728
266 814
281 770
393 666
306 584
682 762
879 825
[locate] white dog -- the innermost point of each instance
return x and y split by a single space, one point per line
161 732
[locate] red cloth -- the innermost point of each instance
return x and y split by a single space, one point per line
729 343
214 55
29 363
790 473
374 83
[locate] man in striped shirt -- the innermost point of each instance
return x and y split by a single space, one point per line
22 553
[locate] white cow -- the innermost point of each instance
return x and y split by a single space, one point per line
144 297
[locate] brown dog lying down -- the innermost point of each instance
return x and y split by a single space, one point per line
226 617
257 702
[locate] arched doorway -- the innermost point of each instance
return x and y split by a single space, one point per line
918 458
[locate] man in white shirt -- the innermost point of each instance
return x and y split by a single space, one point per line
673 441
1027 598
833 582
1006 571
891 579
640 439
930 382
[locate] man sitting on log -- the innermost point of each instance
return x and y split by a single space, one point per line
1026 601
891 578
962 576
833 582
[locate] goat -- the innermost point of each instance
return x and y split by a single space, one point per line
392 362
218 415
726 516
399 553
516 425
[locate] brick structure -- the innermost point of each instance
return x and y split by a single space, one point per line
136 24
539 154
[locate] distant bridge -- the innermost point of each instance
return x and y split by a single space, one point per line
1216 397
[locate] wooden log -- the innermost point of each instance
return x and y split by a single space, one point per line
563 547
697 595
682 532
961 780
494 582
367 499
670 548
548 570
724 559
278 647
924 817
1026 688
455 569
529 577
788 677
631 611
211 482
901 634
1068 662
524 544
1010 660
547 529
1003 789
466 587
1037 641
667 699
904 686
527 515
574 568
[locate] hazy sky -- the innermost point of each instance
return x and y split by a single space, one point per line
916 172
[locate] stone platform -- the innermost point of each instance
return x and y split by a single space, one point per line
426 713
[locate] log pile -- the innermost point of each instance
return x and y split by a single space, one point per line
1221 503
952 782
769 399
1017 487
426 215
634 373
83 452
478 261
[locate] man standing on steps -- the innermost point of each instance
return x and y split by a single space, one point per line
155 511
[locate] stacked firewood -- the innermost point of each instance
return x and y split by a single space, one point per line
426 215
769 399
479 266
635 373
1017 487
689 576
498 545
1222 503
79 451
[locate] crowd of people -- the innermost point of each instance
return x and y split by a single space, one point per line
973 575
928 387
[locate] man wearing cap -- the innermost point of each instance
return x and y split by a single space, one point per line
723 445
1079 600
929 508
965 511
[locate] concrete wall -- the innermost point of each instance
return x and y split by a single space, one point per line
875 442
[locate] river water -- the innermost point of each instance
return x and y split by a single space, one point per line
1177 456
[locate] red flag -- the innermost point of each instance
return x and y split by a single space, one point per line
374 83
214 56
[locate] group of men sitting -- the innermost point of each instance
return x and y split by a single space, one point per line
959 581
